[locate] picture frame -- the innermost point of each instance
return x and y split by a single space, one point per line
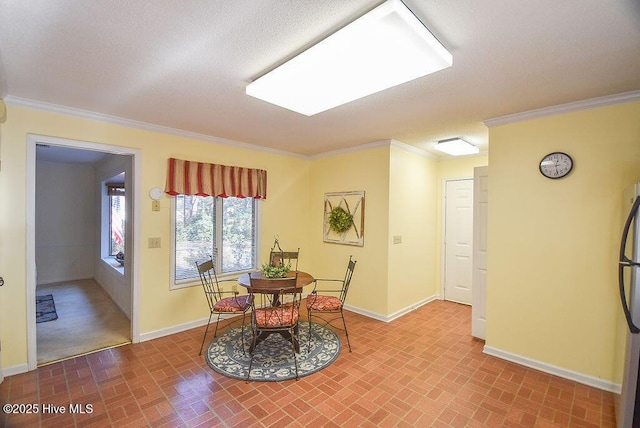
344 218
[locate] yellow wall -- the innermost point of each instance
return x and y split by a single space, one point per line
292 212
552 243
552 269
389 278
366 170
283 213
412 215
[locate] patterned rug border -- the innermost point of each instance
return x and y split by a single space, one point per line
224 354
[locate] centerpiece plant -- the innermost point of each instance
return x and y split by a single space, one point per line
278 271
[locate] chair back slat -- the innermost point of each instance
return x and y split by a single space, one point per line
276 302
347 279
209 280
283 258
284 314
214 295
320 302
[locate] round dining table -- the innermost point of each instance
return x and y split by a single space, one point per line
302 278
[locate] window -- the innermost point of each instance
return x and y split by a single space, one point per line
203 226
116 217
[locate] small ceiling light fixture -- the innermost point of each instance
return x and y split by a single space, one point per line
456 147
383 48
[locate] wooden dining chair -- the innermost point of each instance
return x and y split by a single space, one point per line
275 307
330 300
218 304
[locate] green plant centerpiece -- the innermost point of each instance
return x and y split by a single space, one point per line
279 271
340 220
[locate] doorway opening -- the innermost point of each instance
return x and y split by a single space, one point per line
78 191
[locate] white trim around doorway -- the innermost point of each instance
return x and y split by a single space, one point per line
30 225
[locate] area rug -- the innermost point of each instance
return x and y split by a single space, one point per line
273 360
45 308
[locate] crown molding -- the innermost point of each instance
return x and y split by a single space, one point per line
85 114
346 150
564 108
100 117
374 145
413 149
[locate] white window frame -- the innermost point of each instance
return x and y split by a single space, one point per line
105 225
191 282
110 226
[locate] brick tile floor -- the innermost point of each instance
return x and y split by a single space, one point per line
422 370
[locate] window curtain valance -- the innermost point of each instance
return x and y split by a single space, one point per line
208 179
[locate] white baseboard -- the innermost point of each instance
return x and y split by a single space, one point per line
23 368
203 321
178 328
554 370
393 316
15 370
60 281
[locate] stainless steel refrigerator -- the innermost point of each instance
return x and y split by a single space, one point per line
628 404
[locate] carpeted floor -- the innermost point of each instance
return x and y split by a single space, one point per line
88 320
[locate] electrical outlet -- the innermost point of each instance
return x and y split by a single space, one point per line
397 239
154 242
155 205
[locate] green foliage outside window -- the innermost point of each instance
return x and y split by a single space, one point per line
206 225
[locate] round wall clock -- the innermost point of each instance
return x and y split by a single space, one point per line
556 165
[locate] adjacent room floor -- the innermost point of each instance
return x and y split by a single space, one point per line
422 370
87 320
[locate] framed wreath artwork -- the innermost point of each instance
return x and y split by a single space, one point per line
344 218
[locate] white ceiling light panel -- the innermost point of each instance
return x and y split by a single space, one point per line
456 147
383 48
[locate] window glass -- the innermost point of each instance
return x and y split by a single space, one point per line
238 232
204 226
116 221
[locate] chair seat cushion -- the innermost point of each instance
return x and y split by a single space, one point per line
280 316
323 303
232 304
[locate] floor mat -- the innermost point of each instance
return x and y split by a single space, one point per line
45 308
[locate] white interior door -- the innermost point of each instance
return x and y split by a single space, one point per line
479 293
458 240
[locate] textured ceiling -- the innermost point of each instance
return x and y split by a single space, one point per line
185 65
